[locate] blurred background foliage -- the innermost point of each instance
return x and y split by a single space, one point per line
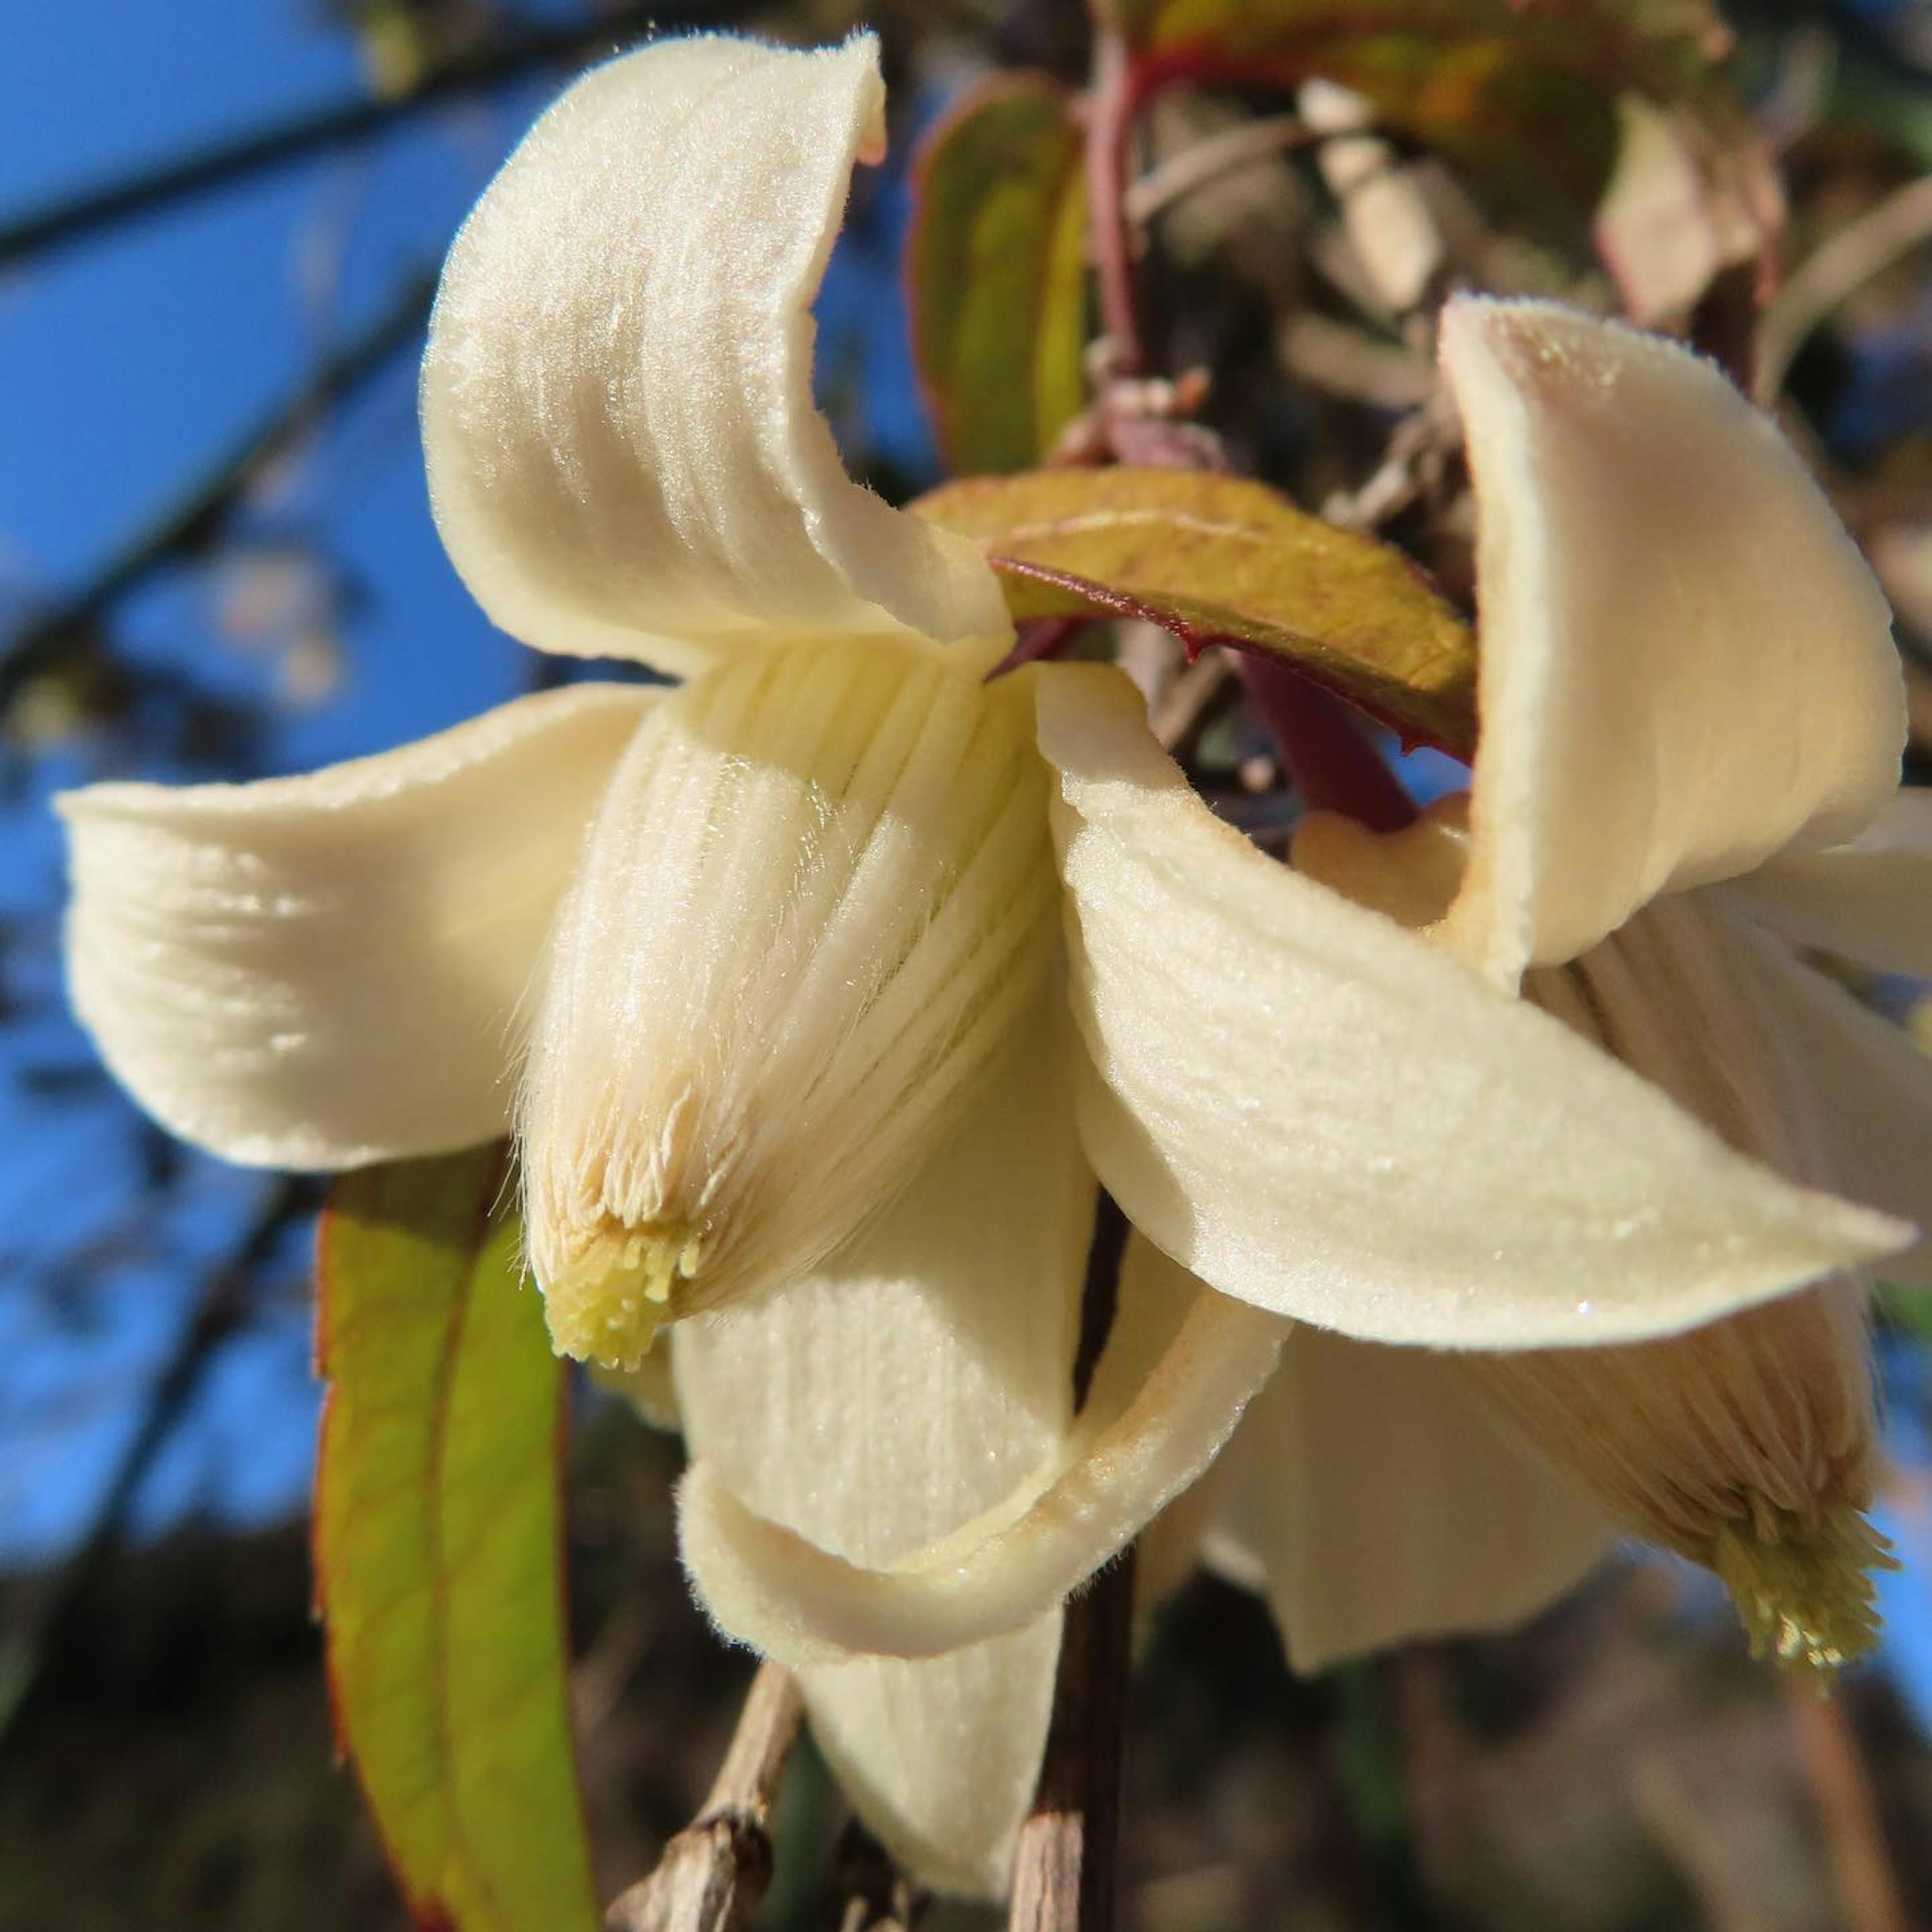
219 228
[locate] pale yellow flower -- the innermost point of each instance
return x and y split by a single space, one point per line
772 974
1692 717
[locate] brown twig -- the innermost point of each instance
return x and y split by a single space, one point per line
1064 1873
715 1870
1848 1810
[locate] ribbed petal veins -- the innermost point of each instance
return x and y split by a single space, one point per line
818 895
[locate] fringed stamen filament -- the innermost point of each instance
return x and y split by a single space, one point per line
1805 1589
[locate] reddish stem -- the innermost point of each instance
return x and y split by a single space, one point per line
1334 766
1110 114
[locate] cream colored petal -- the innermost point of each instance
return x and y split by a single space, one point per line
893 1396
1318 1112
1686 665
1181 1362
818 900
1869 901
319 972
624 457
1860 1091
1382 1504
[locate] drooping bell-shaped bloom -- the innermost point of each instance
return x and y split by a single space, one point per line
771 972
1692 717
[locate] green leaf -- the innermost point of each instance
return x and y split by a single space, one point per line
437 1522
996 270
1523 97
1212 557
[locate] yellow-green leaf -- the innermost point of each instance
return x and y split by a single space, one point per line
998 274
1218 557
1523 96
437 1523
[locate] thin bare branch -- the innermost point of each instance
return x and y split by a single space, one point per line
188 524
1835 271
75 217
715 1870
1207 160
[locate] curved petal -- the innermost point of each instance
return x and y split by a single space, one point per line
624 457
1382 1504
1686 666
890 1396
1861 1089
1180 1364
320 972
1869 901
1318 1112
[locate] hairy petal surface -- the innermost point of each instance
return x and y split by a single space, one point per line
1318 1112
624 457
1377 1501
818 898
1687 667
323 971
893 1395
1181 1362
1870 900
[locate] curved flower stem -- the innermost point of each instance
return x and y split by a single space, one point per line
1064 1872
715 1870
1334 765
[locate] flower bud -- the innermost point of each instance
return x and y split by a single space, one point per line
818 893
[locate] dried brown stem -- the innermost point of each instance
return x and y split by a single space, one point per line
715 1870
1064 1878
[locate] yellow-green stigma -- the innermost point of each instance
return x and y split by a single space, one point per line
1803 1588
619 1286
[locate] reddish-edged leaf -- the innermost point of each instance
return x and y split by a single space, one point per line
1217 557
1521 93
997 271
437 1550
